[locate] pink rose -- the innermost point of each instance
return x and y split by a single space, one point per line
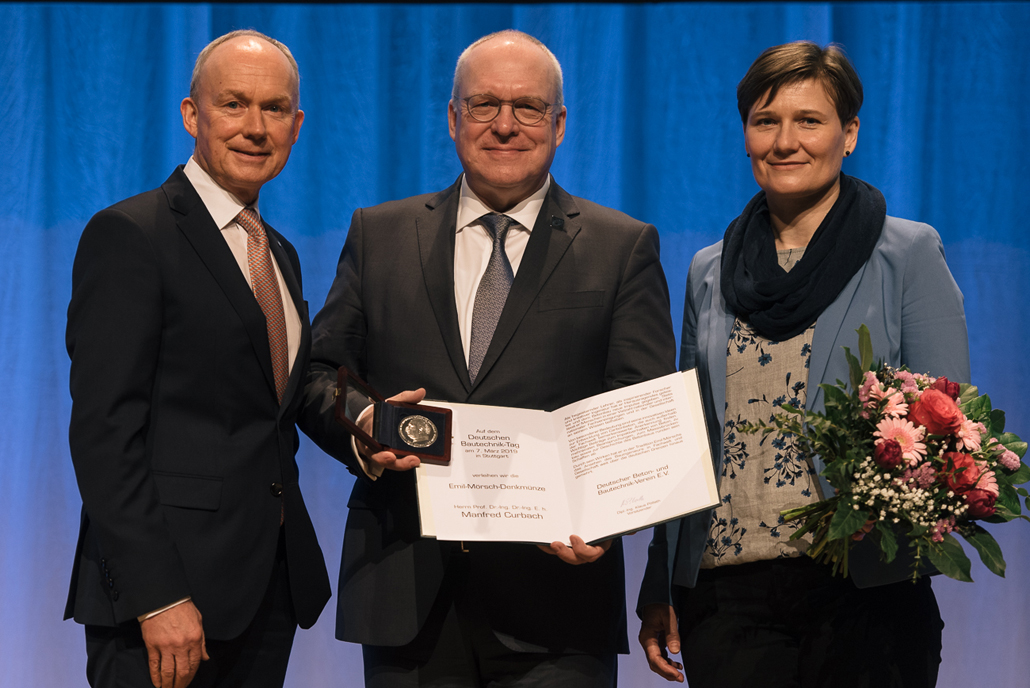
887 454
937 412
962 473
946 386
980 503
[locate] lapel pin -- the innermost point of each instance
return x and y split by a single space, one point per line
557 222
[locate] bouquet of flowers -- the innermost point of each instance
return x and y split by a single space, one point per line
908 455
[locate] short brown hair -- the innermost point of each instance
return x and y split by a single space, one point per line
799 61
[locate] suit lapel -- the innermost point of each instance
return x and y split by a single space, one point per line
556 226
714 329
435 230
195 222
827 330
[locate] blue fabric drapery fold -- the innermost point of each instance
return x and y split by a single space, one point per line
90 115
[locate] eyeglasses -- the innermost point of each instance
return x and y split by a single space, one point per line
485 108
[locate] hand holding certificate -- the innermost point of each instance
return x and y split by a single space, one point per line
611 464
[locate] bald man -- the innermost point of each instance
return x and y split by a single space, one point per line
189 340
580 307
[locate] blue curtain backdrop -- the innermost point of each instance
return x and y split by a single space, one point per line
91 115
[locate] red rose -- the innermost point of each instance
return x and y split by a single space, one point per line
980 503
887 454
945 385
937 412
961 472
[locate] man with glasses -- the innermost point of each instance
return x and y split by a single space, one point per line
504 290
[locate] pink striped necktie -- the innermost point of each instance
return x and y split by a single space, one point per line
266 291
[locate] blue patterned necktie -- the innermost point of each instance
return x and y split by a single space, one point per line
492 293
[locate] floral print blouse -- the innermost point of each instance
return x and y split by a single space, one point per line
761 475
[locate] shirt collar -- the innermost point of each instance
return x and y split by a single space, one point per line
471 207
222 205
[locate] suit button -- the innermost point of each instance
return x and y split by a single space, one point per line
114 595
276 489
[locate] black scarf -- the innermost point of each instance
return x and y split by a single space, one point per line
779 304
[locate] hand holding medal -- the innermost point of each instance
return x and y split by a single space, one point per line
398 427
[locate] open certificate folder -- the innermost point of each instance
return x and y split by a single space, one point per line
604 466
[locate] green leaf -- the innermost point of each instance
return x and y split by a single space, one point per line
854 368
997 421
916 532
847 521
791 410
1021 475
967 393
988 547
835 397
1013 444
865 348
888 543
978 408
949 559
1007 504
838 474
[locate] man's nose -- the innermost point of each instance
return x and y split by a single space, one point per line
254 123
504 123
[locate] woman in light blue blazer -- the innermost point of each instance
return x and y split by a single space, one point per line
813 256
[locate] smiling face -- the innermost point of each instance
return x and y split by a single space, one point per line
245 117
506 161
797 144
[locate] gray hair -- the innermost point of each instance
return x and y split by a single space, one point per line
209 48
459 69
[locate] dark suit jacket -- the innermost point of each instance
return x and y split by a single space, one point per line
588 312
176 433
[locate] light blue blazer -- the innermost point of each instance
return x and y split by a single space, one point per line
908 299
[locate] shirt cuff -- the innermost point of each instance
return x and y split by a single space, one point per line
373 471
143 617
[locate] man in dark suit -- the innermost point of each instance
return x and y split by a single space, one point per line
502 290
189 341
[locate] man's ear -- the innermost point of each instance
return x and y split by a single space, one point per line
189 116
559 126
298 120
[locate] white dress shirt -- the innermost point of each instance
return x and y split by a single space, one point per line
224 207
473 245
